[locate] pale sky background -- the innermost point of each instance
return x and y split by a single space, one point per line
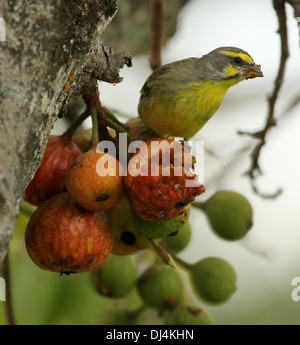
268 258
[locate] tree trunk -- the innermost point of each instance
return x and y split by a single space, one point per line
51 53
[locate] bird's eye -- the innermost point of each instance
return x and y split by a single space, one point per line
238 60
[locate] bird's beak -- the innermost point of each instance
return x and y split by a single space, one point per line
253 71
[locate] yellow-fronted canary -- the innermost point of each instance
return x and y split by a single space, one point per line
178 98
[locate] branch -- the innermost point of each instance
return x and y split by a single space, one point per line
255 170
156 31
296 6
92 100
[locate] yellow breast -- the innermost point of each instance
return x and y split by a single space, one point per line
184 112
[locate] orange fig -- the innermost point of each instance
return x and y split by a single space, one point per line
95 180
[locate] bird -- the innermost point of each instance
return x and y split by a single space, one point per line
178 98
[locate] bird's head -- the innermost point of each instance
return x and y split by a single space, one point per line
230 63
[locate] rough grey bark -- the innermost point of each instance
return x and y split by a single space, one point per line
52 50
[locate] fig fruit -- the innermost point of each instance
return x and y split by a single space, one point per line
177 242
116 277
214 279
48 180
159 180
230 215
83 138
63 237
160 287
136 126
95 180
124 222
114 315
186 315
162 229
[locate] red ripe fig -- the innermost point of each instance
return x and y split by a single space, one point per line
48 180
160 181
63 237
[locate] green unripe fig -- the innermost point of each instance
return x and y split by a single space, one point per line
127 239
185 314
162 229
160 287
214 280
114 316
230 214
177 242
116 277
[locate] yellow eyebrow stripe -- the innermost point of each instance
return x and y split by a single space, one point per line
245 57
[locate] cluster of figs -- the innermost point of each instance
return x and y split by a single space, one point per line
93 214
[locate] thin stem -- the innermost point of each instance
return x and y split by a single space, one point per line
154 244
255 170
71 130
10 318
110 123
156 31
163 254
95 135
92 100
110 115
27 209
181 262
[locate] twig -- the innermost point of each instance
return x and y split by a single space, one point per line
73 127
110 123
255 170
27 209
156 31
163 254
296 6
293 103
110 115
92 100
181 262
95 132
10 318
